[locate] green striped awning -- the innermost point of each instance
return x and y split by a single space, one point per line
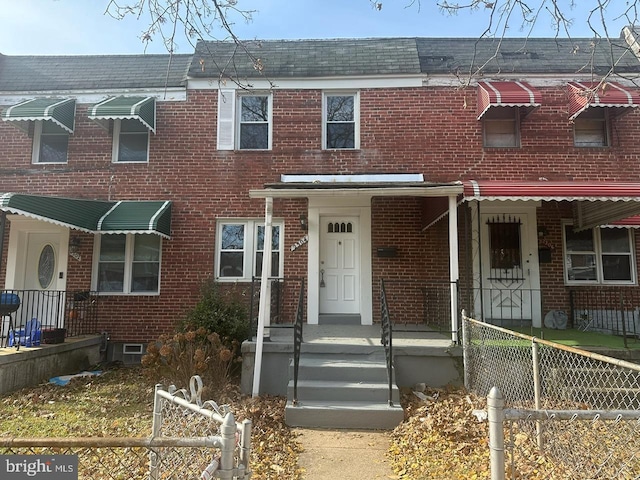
137 217
94 216
142 109
60 111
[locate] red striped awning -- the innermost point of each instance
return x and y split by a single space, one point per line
549 190
583 95
595 203
507 94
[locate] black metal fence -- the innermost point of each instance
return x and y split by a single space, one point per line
418 302
611 310
32 317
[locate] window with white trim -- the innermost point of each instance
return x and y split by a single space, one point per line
244 120
130 141
240 249
50 143
127 263
591 128
598 255
341 117
500 127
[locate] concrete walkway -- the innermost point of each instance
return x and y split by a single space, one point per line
344 454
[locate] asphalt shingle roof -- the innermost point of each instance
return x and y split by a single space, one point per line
320 58
44 73
308 58
388 56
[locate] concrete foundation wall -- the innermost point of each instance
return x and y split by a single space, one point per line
32 366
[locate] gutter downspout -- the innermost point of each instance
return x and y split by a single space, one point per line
264 309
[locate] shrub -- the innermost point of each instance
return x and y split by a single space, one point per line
220 310
176 358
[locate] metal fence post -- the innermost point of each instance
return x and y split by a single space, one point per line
228 435
245 445
465 351
536 388
156 428
495 411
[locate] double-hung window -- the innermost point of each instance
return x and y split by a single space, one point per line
244 120
591 128
598 255
501 127
127 263
341 121
240 248
50 143
130 141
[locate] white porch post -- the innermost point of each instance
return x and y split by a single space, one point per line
264 309
454 272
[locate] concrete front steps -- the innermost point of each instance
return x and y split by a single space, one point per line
343 390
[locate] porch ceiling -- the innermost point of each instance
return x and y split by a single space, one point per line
595 203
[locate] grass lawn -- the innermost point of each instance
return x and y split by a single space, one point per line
578 338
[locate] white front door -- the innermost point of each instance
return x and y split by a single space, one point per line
339 265
42 300
509 262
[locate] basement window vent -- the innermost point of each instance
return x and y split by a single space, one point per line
132 349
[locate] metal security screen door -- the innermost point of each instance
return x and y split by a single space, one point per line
339 266
506 268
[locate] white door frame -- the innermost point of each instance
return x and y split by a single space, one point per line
352 206
21 227
530 257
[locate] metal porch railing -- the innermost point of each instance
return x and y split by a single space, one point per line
387 338
35 316
283 302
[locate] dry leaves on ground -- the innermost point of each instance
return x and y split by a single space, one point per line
119 403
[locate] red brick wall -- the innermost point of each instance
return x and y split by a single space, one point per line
428 130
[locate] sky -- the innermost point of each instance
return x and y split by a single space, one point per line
81 27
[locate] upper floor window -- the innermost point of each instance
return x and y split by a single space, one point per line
50 143
244 121
591 128
598 255
501 127
240 248
130 119
130 141
127 263
341 121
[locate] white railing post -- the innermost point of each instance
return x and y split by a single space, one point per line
495 411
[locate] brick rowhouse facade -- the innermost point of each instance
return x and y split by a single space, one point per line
431 130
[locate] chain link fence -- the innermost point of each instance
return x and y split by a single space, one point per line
567 413
190 439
